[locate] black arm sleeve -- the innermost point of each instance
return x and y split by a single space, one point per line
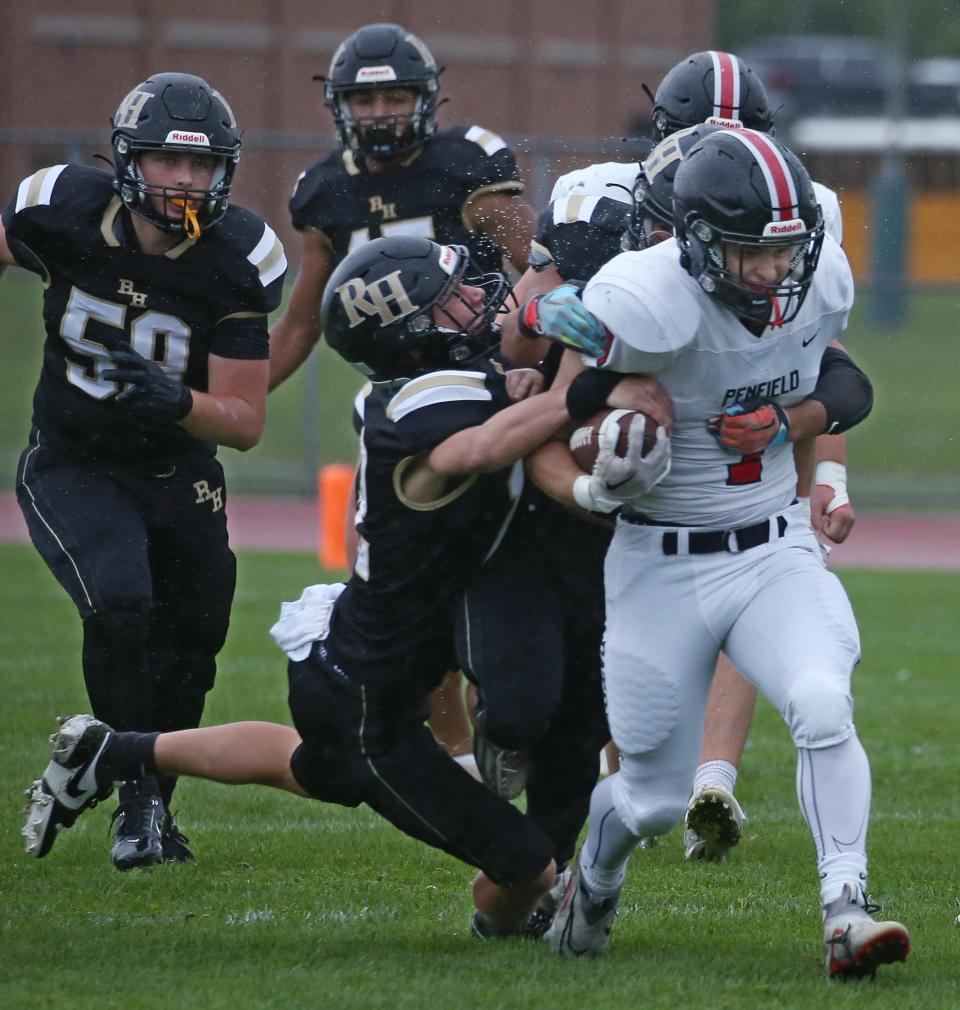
844 390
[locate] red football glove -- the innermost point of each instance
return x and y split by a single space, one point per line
751 426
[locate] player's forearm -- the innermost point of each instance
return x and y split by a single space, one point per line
226 420
506 437
804 454
807 420
832 449
554 471
290 345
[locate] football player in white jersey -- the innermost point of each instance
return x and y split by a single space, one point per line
708 87
734 317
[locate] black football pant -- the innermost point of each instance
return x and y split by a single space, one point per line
529 635
145 558
367 743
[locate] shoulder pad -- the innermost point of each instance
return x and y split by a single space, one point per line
268 256
833 279
598 211
647 302
489 142
436 388
312 183
830 206
37 189
610 178
474 156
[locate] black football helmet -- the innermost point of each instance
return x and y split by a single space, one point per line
651 212
382 56
711 86
389 308
175 112
743 189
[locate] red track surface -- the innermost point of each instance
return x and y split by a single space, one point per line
878 541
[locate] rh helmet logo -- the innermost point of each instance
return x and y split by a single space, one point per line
386 298
205 494
130 108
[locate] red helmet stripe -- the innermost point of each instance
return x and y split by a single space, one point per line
776 173
726 85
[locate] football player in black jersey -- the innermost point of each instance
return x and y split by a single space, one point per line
395 173
440 435
156 299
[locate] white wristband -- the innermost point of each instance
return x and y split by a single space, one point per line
834 476
583 496
581 493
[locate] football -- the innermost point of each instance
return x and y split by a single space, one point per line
584 442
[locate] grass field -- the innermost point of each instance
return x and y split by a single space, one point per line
906 454
298 904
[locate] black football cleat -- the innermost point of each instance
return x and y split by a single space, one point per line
137 843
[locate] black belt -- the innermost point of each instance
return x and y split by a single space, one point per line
713 541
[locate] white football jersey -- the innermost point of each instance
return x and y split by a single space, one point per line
609 178
830 206
662 323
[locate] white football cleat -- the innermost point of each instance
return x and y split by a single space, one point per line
854 945
69 784
582 924
712 825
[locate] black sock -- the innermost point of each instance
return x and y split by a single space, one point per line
130 756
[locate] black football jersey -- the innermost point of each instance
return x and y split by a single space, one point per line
414 556
424 196
205 296
578 234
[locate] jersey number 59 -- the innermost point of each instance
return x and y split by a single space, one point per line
160 337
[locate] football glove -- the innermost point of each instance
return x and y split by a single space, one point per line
149 390
623 478
560 315
751 426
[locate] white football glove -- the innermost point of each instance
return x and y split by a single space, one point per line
623 478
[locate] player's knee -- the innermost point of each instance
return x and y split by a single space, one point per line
819 710
515 727
650 805
117 630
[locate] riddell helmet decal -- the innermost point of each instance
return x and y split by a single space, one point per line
185 137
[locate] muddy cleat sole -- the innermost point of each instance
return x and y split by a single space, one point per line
503 771
539 920
69 785
713 825
582 924
854 945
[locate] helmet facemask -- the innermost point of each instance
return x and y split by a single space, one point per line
383 137
716 262
201 208
453 329
649 223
